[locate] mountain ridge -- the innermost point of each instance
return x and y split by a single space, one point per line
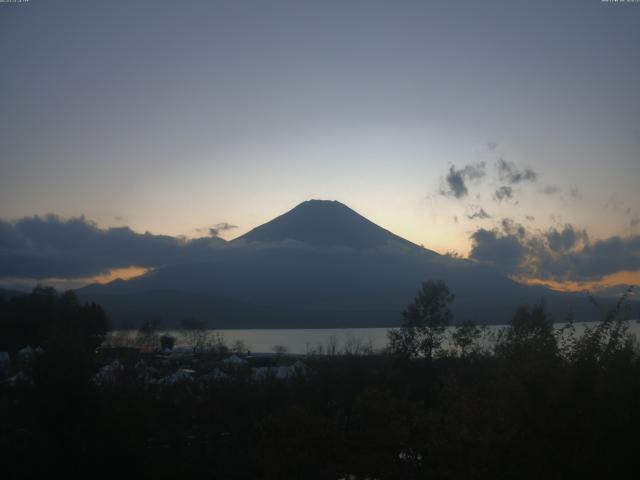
287 272
325 223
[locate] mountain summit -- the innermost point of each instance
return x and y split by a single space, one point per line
325 223
318 287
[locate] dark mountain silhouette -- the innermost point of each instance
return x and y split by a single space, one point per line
319 265
325 223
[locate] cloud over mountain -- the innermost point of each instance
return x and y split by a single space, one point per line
220 227
562 255
50 246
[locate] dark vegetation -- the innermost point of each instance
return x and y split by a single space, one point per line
530 402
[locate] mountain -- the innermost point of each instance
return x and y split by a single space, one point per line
325 223
319 265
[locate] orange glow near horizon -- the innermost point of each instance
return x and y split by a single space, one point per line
125 273
619 278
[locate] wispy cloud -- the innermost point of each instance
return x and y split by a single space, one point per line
510 173
220 227
551 190
455 181
478 214
504 192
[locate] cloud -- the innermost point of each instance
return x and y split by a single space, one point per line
503 193
49 246
575 194
220 227
566 238
550 190
607 256
455 181
615 204
474 171
479 213
512 228
508 172
560 255
505 252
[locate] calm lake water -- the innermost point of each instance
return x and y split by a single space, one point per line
301 341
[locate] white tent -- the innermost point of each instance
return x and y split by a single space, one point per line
234 360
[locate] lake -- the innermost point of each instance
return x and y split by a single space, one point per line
302 341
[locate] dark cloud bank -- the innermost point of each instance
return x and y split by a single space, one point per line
283 282
44 247
41 247
561 255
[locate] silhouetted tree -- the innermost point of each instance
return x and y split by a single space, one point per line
50 320
280 350
425 321
239 346
167 342
610 337
466 336
147 337
195 333
529 335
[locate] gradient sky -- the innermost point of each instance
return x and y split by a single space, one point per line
174 116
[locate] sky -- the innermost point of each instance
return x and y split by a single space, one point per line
436 120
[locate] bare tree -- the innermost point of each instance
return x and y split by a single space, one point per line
147 337
195 334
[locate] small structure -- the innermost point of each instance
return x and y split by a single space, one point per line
108 375
129 355
214 375
19 379
234 360
182 375
261 374
146 374
25 353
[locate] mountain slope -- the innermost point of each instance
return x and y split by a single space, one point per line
325 223
320 264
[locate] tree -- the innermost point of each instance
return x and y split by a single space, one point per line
280 350
465 337
425 321
529 337
195 333
148 334
239 346
47 319
167 342
610 338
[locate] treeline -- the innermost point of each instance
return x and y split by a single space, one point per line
50 320
537 404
